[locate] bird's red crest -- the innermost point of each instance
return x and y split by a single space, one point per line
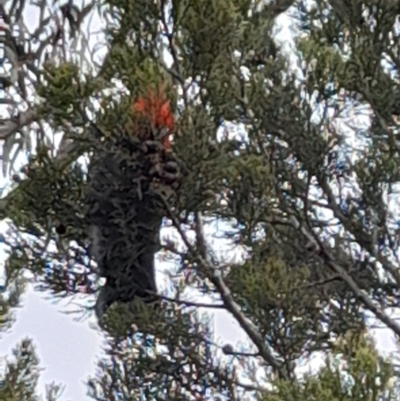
156 107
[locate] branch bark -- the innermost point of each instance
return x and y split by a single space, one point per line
323 254
206 262
10 127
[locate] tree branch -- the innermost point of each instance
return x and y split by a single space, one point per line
9 127
190 303
325 256
204 259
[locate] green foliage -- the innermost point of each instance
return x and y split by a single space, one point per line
65 90
354 371
26 203
307 195
20 377
152 362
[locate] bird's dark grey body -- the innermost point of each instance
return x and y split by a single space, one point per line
125 218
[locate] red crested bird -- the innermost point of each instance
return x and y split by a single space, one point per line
123 197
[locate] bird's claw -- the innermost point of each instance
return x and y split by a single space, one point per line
167 172
171 167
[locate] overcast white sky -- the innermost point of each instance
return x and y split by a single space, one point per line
68 349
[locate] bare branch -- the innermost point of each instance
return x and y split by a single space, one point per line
10 127
323 254
190 304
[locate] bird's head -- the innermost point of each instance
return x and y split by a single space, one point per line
156 119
